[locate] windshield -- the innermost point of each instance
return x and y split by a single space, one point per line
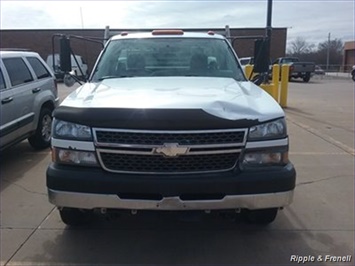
168 57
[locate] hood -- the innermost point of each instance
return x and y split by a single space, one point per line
221 97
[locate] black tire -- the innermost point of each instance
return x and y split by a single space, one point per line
261 217
74 217
42 137
307 77
353 75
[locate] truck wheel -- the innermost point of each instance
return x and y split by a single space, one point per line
42 137
263 217
353 76
307 77
74 217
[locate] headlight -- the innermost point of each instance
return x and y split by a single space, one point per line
68 130
65 156
265 158
270 130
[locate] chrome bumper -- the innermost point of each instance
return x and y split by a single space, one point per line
111 201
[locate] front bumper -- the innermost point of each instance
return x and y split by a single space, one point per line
90 188
112 201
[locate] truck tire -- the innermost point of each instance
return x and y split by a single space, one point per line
261 217
353 75
307 77
42 137
74 217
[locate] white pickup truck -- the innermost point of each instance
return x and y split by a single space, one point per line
168 122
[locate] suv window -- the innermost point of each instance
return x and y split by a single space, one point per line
39 69
17 70
2 81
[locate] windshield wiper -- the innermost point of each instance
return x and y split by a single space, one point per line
114 77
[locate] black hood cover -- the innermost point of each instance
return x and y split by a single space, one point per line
148 119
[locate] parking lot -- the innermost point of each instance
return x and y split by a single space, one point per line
320 221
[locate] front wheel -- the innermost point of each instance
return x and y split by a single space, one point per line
74 217
307 77
353 75
42 137
262 217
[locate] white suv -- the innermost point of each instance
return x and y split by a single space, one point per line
28 94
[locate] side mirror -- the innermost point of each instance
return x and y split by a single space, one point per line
261 56
65 55
68 79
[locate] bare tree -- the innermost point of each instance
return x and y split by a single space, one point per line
335 47
300 46
317 53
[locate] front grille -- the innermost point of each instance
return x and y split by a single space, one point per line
168 152
201 138
160 164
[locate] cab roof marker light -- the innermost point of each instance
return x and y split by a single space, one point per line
210 32
167 32
124 33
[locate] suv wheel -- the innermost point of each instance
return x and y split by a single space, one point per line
263 217
74 217
42 137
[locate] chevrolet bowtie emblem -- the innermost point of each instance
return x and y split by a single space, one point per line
171 150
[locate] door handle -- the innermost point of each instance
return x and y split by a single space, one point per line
7 100
36 90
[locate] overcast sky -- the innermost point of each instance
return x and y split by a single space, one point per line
312 20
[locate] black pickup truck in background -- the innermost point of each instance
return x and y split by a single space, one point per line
298 69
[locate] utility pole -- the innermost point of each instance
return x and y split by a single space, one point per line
328 52
228 34
106 34
82 19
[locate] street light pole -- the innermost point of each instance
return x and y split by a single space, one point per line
268 19
268 34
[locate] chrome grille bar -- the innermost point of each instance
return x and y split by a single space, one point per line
104 137
168 152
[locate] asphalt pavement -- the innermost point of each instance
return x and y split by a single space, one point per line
319 223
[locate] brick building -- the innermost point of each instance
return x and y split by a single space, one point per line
349 55
41 40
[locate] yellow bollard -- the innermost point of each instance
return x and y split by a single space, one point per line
284 85
248 69
276 81
273 87
270 89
